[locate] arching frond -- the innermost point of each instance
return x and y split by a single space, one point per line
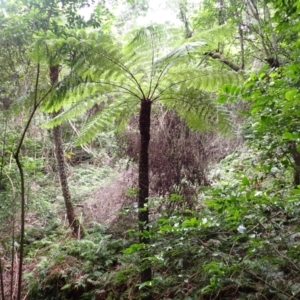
183 52
118 111
193 78
157 36
75 110
214 36
146 67
198 109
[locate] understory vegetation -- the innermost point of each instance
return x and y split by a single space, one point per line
153 161
239 240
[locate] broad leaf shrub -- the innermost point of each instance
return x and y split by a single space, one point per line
273 116
241 245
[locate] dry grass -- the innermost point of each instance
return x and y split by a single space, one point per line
108 200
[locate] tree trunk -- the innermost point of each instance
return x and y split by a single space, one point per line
61 166
184 19
296 158
143 216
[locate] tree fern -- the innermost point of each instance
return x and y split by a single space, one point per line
146 67
144 71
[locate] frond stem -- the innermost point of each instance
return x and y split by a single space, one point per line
119 86
159 79
124 68
152 64
173 84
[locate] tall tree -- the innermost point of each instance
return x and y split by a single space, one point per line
144 72
53 22
274 91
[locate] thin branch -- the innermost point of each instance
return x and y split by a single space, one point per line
255 14
183 18
32 113
269 284
273 39
22 179
242 46
239 16
223 59
18 162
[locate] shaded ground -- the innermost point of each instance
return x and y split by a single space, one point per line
107 201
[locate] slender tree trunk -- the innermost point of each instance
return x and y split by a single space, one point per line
221 13
296 157
61 166
16 156
1 280
238 15
22 229
252 5
221 21
144 126
184 19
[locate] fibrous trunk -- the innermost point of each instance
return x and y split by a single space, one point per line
144 126
61 166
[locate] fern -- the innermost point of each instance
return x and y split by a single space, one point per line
146 67
116 111
199 111
214 36
75 110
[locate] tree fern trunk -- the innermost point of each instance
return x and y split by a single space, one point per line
61 166
144 126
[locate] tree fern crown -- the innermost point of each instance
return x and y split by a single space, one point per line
146 67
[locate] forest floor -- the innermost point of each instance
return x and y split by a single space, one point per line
240 241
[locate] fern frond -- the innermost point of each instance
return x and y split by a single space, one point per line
146 67
139 39
214 36
187 50
113 112
75 110
206 80
198 110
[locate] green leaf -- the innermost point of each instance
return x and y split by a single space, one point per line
147 283
176 198
66 286
295 191
245 181
166 228
193 222
134 248
287 136
291 94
